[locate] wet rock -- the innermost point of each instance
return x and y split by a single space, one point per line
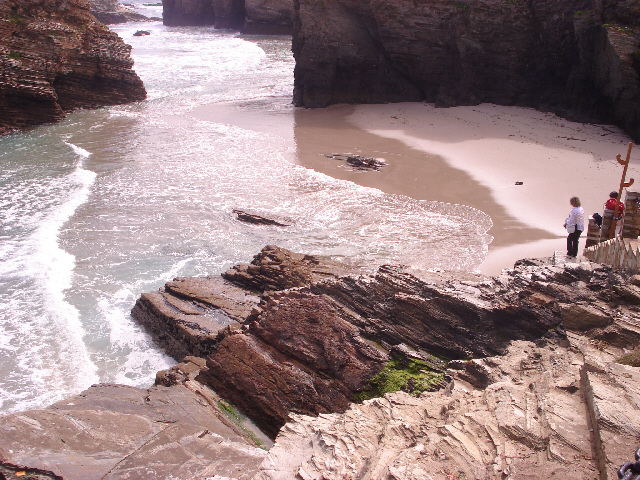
359 162
257 219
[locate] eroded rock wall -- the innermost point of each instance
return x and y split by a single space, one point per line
557 55
55 57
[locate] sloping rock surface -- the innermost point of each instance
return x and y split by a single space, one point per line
55 57
118 432
576 58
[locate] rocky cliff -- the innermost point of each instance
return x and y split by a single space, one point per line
572 57
56 57
250 16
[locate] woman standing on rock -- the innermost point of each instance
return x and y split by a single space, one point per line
574 225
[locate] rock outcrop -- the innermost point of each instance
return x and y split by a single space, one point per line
574 58
316 339
516 396
55 57
269 17
112 11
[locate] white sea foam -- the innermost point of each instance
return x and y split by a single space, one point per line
44 328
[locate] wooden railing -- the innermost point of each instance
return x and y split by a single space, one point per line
617 252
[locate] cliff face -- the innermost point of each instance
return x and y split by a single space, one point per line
250 16
557 55
55 57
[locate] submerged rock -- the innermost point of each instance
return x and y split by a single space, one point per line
55 57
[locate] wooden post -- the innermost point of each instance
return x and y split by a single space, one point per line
612 230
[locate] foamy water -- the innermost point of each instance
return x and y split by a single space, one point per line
114 202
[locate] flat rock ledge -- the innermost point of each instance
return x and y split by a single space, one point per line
120 432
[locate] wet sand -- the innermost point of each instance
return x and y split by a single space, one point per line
466 155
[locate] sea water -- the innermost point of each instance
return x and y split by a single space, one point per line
114 202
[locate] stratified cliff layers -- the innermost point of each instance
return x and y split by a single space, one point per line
55 57
578 59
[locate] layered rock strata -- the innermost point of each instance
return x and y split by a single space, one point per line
541 411
55 57
271 17
315 338
567 56
549 404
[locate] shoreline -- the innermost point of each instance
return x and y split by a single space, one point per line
498 146
477 154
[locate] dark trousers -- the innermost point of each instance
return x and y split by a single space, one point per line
572 243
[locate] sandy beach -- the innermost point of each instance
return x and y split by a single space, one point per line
473 155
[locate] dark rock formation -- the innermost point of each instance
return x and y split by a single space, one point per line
560 55
188 12
55 57
276 268
270 17
298 355
188 315
256 219
359 162
112 11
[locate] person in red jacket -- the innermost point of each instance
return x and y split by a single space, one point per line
611 205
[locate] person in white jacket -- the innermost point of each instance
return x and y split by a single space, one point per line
575 226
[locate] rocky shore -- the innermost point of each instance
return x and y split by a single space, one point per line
528 374
56 57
